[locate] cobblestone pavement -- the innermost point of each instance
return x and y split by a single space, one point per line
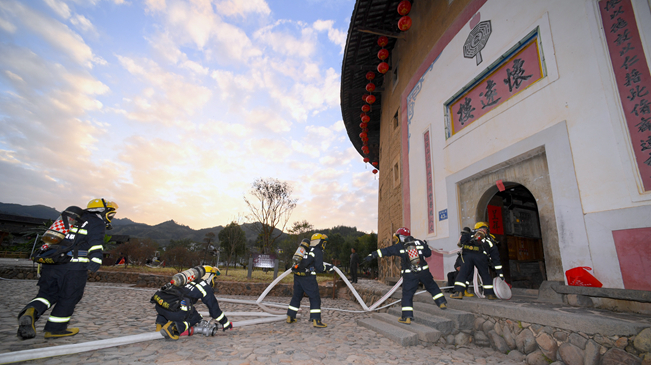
114 310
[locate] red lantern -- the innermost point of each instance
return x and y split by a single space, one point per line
374 163
366 160
370 87
383 67
404 23
404 7
370 75
370 99
366 108
383 54
363 125
374 171
363 135
364 97
382 41
366 118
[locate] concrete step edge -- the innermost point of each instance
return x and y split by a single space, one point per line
394 333
425 333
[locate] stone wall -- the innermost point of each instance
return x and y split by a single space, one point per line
537 344
156 281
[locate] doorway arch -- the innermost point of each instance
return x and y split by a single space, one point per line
514 219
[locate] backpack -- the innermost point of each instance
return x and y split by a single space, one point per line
171 298
56 244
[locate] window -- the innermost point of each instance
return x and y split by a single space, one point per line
396 119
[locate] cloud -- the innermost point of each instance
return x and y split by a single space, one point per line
55 33
59 7
82 23
242 7
336 36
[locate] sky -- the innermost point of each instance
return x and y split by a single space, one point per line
172 109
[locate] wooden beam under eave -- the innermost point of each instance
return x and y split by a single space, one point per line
380 32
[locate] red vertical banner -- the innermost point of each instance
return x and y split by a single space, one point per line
430 188
495 219
632 77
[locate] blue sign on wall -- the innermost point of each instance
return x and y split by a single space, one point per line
443 214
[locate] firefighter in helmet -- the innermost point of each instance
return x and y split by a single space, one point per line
177 315
414 270
478 250
61 285
305 280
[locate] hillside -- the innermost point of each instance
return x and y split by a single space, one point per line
162 233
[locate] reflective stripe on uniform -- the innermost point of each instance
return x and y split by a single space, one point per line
292 308
402 251
379 253
187 325
96 260
460 283
315 310
44 301
420 247
200 288
79 259
501 275
407 309
58 319
407 271
96 247
220 317
313 273
437 296
312 254
498 267
488 287
78 230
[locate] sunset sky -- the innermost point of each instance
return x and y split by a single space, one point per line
173 108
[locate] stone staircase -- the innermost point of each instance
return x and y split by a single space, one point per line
429 324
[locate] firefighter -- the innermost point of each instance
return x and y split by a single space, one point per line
61 286
478 250
176 310
305 281
414 270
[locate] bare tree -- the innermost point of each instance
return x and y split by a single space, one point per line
272 209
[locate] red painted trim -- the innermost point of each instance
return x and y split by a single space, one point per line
465 16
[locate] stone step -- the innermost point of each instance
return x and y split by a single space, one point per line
425 333
464 320
445 325
392 332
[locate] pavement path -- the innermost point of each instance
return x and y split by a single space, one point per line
110 310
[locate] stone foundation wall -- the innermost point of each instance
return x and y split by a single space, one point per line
538 344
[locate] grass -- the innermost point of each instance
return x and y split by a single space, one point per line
239 275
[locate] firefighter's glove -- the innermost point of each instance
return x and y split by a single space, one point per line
328 267
370 256
93 266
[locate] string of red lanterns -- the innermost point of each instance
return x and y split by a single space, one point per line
404 24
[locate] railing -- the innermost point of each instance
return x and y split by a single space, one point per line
14 254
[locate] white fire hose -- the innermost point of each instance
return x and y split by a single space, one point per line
269 315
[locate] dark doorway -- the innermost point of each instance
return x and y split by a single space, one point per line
513 218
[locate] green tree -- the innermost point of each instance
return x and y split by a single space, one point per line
289 245
233 241
271 205
208 240
180 258
137 250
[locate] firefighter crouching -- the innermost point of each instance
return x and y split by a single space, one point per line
305 281
414 270
477 250
175 304
62 284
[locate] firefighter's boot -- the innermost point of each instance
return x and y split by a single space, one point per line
457 295
65 333
405 320
318 324
443 306
26 329
169 331
466 294
227 326
491 297
291 319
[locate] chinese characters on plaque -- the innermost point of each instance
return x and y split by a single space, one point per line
632 78
514 75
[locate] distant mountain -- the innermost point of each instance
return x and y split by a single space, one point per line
34 211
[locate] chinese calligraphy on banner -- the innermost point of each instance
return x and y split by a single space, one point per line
430 189
632 77
514 75
495 219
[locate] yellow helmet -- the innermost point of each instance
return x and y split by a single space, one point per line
106 209
319 238
211 273
481 225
